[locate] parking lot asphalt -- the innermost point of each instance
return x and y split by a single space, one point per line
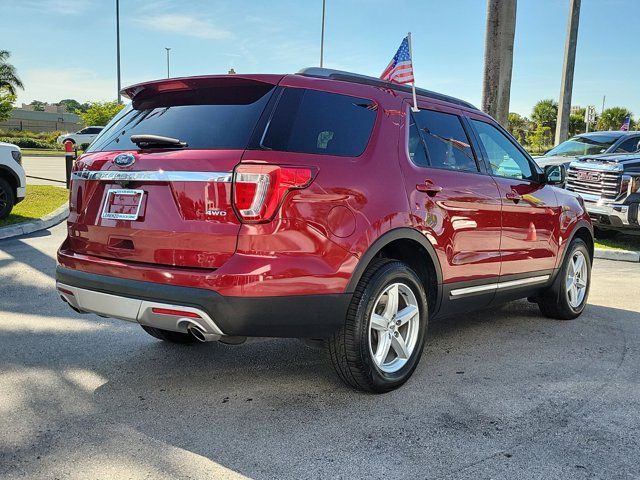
44 170
502 394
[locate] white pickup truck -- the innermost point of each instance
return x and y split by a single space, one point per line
13 183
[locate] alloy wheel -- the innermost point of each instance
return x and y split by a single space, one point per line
577 278
394 327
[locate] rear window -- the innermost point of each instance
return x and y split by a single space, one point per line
207 118
311 121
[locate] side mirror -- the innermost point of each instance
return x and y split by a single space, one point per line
555 174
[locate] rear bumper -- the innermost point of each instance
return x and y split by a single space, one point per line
302 316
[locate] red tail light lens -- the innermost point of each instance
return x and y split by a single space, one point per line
175 313
259 189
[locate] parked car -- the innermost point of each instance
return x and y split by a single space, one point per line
86 135
315 205
591 144
610 187
13 184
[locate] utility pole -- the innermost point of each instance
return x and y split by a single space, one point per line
498 58
168 49
324 4
118 47
564 105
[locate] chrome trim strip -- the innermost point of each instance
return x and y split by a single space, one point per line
467 290
523 281
458 292
152 176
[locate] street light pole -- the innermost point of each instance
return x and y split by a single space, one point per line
118 47
324 4
168 49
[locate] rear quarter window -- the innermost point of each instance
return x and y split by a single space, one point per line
310 121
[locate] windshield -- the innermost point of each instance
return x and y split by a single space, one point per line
206 118
583 145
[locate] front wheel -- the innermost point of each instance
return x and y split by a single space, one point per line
566 298
381 342
7 199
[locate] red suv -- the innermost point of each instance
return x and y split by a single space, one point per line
320 206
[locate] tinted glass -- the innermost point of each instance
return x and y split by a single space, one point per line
310 121
505 160
583 145
629 146
447 143
206 118
417 153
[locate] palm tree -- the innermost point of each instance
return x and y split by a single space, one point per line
612 118
8 77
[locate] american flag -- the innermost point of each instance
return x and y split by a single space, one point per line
400 69
626 124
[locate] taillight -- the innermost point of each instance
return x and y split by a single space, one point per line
258 190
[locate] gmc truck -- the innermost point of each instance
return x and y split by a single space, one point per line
610 187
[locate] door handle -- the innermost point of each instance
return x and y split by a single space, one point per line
429 188
515 197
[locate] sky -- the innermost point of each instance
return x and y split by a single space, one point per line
66 48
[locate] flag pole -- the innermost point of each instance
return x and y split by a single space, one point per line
413 83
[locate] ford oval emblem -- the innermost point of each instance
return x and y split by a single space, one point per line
124 160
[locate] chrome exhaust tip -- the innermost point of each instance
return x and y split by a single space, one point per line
199 334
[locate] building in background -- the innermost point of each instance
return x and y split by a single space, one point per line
54 118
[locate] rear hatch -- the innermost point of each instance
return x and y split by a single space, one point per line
153 202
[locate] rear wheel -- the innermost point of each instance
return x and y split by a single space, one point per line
381 342
567 297
169 336
7 198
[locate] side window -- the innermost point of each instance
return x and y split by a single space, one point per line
505 160
447 143
311 121
628 146
417 153
84 131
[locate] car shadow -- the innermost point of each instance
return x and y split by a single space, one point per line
273 405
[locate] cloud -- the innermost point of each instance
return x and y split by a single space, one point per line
54 84
65 7
184 25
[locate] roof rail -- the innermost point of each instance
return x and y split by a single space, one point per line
376 82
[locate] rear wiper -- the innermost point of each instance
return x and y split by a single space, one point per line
151 141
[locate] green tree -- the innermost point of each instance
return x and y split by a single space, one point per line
576 122
518 126
99 113
545 113
540 139
612 118
38 106
7 100
8 76
74 106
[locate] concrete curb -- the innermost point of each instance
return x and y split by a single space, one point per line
620 255
43 223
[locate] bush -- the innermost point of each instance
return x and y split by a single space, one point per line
26 142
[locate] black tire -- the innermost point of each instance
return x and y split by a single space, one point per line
169 336
554 302
349 349
7 199
604 234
